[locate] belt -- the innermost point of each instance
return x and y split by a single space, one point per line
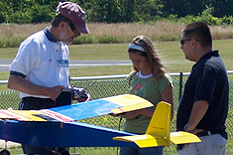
34 98
205 133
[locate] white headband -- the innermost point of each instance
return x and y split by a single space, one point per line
136 47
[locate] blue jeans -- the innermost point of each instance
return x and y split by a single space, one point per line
211 144
141 151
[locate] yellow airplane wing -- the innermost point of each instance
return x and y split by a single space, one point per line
158 132
28 115
128 102
114 104
145 140
183 137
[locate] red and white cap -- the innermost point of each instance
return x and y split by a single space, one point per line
75 13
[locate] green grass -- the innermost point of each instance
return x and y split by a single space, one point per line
169 52
81 150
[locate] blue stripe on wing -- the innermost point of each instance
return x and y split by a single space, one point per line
86 109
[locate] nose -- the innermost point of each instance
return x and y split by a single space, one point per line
135 65
181 46
77 35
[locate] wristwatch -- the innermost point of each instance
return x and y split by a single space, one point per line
190 131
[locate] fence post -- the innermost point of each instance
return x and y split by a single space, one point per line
181 85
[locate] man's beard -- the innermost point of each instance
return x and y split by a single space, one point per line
64 39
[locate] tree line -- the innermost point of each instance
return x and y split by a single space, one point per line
113 11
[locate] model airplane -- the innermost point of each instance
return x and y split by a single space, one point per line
57 127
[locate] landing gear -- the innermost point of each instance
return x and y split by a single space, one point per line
5 152
63 151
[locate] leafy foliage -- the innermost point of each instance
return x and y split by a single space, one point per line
207 17
41 13
183 8
2 12
122 11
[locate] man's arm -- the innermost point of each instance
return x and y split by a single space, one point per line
21 84
167 96
198 111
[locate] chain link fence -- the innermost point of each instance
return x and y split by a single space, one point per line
105 86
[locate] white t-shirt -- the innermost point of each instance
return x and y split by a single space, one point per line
43 61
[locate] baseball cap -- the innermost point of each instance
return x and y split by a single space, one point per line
75 13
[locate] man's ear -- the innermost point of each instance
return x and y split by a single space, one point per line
194 42
62 24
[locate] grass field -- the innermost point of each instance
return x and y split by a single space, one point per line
170 53
161 30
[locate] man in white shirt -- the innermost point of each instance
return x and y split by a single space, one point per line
41 68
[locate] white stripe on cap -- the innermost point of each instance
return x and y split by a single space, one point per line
136 47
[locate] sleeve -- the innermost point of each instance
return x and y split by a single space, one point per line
25 58
165 82
129 77
206 84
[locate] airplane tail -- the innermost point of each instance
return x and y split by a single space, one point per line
158 132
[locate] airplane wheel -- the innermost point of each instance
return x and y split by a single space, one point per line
5 152
64 152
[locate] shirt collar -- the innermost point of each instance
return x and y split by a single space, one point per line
209 54
49 35
206 56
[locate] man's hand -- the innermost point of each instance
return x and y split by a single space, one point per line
54 92
84 99
80 94
193 131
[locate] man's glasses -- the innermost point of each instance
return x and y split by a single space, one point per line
182 41
74 29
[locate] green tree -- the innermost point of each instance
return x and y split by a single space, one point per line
3 11
41 13
147 9
222 8
17 11
128 10
104 11
111 11
114 11
190 7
